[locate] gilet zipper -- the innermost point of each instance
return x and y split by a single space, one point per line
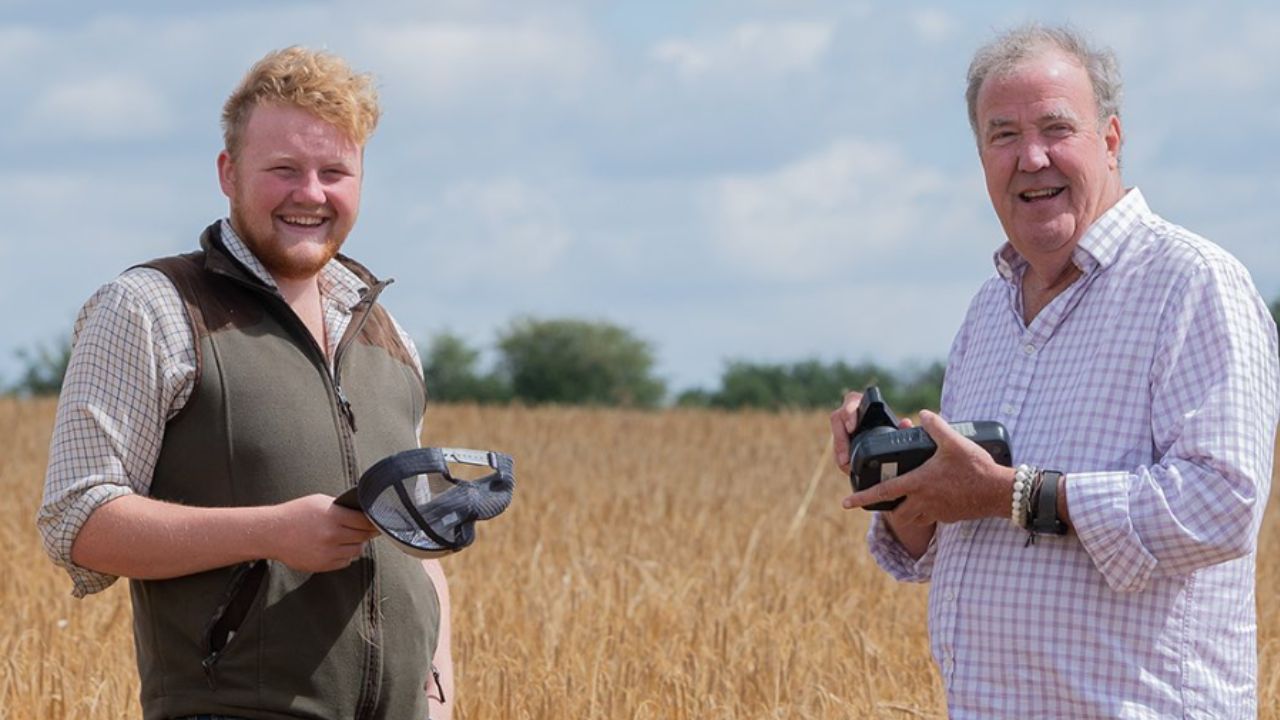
371 677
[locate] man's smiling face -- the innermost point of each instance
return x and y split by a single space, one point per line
294 186
1050 169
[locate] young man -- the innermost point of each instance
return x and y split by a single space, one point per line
1134 366
214 405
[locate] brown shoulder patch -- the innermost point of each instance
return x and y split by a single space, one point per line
213 303
183 271
380 331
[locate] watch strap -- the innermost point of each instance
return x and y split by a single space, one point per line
1044 513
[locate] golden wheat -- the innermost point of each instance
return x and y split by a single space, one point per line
675 565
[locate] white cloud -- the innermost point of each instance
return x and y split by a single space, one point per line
932 25
76 211
1219 54
825 214
686 56
68 231
502 223
17 44
604 149
442 61
43 192
1237 69
748 49
103 107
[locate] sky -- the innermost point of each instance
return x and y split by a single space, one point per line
731 180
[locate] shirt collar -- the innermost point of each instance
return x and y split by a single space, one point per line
1097 248
337 282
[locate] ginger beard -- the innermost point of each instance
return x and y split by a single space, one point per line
282 257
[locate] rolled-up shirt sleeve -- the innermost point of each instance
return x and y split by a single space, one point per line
1214 387
893 558
132 360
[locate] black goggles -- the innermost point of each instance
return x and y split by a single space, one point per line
397 495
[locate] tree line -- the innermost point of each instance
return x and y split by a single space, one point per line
582 362
579 362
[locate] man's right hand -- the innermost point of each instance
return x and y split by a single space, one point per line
312 534
843 422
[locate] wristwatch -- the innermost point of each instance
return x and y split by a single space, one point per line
1044 513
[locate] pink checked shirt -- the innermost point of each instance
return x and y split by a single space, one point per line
1152 382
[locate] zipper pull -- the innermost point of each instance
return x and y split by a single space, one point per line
208 665
345 406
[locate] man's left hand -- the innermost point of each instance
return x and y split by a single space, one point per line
960 482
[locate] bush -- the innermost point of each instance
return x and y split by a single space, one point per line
452 376
43 369
578 362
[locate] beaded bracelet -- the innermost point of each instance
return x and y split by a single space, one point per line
1020 511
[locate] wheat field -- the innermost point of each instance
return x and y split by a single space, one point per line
674 564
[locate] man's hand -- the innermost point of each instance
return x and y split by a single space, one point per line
843 422
914 533
960 482
312 534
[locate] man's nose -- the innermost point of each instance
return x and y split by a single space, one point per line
310 190
1033 155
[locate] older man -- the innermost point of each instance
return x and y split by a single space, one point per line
214 405
1111 574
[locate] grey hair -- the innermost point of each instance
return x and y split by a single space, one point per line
1002 55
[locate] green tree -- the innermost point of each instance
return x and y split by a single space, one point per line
577 361
43 369
921 389
452 375
804 384
694 397
814 384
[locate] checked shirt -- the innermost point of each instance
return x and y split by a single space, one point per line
132 369
1152 383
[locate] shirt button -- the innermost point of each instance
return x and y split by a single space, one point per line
947 666
1007 409
950 595
966 532
1029 349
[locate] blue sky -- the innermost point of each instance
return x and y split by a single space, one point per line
754 180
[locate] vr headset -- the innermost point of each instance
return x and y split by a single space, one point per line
396 495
